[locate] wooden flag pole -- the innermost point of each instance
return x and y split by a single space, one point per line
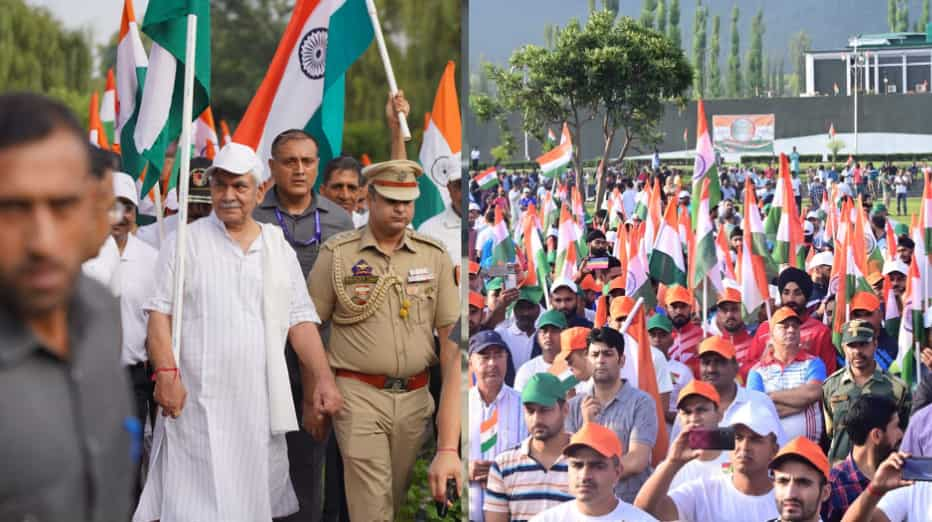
387 62
184 147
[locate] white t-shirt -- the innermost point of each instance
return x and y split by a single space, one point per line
103 268
661 369
680 375
528 370
568 511
696 469
901 184
717 499
909 504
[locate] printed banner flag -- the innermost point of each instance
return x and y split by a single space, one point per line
743 133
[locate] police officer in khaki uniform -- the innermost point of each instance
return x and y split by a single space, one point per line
386 289
861 375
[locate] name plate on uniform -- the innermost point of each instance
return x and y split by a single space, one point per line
419 275
359 279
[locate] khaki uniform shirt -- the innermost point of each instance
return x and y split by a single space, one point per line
384 343
839 391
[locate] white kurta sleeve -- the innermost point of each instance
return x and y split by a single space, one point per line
302 308
164 280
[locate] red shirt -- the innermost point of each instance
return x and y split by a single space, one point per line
814 337
742 342
686 346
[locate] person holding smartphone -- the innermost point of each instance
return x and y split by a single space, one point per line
698 410
892 497
745 494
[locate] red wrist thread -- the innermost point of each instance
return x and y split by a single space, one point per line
161 370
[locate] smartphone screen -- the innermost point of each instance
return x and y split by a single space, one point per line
712 439
918 468
511 281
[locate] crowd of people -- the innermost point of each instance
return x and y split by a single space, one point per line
594 394
307 327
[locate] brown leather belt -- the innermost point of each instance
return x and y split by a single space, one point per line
389 384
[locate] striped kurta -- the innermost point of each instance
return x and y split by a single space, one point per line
219 460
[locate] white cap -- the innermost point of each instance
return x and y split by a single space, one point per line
553 232
125 187
474 206
759 420
561 282
611 236
822 258
895 266
236 158
807 228
812 214
455 175
171 199
684 194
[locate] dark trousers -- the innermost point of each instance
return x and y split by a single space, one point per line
140 375
306 461
900 198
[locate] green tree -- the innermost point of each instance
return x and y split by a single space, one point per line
735 88
647 13
799 44
38 54
923 17
892 19
715 71
781 85
902 16
699 43
661 16
673 24
755 56
618 73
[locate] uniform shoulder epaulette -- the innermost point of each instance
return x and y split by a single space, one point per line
836 372
423 238
342 238
899 385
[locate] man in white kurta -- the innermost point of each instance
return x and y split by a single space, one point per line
217 456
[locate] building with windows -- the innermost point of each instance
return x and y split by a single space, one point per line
887 63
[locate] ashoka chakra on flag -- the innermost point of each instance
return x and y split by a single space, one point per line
312 53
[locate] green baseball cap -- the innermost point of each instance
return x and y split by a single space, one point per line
554 318
857 331
901 229
496 283
660 321
545 389
531 294
878 207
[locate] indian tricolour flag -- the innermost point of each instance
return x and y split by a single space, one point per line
538 270
488 433
441 149
95 130
304 85
487 179
567 236
788 237
160 110
205 140
108 107
704 163
131 66
225 136
751 273
551 138
646 378
704 262
553 162
912 329
666 263
503 246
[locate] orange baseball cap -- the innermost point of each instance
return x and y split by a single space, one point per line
617 283
588 283
873 278
730 295
805 449
678 294
575 338
597 437
865 301
621 307
476 299
701 388
717 345
473 267
782 314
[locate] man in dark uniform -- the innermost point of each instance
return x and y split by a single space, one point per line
307 220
